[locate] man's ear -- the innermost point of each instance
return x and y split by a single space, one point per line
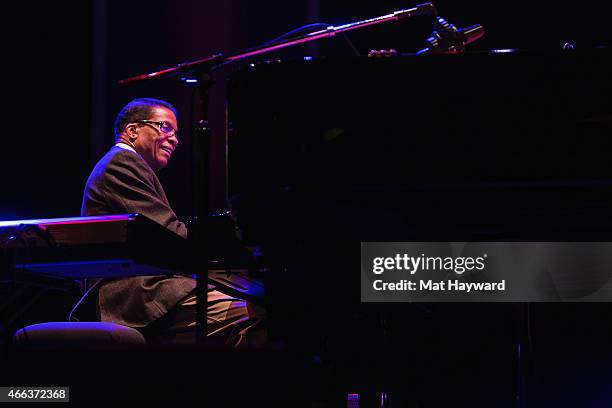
131 131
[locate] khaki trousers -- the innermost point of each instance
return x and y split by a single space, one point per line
231 322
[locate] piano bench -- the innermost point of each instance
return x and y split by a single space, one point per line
77 334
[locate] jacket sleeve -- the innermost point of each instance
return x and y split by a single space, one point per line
129 185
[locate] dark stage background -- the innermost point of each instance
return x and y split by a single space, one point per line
65 61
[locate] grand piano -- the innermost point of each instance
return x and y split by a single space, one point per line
491 146
324 154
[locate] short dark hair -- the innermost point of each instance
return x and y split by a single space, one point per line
138 109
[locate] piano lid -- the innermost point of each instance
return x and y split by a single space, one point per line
496 145
513 117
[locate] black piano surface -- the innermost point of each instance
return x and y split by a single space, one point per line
497 146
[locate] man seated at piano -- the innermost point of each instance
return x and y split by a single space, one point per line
124 181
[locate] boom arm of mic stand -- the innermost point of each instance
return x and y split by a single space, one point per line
210 63
420 10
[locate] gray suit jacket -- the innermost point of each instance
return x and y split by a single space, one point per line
122 182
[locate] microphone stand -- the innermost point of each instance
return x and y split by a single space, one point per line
197 234
202 69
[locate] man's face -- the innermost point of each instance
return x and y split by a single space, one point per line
152 143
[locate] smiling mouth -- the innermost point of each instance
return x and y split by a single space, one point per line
167 149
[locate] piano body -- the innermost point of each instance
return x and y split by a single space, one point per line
491 145
496 146
486 146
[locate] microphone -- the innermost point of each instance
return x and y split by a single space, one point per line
447 39
425 9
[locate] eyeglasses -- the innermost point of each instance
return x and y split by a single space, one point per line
165 127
